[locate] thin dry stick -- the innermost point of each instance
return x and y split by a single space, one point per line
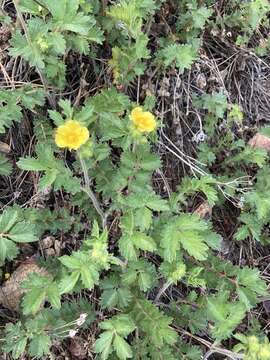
6 76
162 291
230 355
212 348
192 166
191 162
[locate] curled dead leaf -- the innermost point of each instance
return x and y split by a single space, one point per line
204 211
201 81
77 348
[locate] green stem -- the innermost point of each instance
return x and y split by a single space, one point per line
118 261
87 189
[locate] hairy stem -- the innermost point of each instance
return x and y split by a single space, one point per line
162 291
20 20
87 189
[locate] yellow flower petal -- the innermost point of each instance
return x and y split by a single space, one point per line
71 135
144 121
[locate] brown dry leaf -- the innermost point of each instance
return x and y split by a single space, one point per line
266 306
57 247
47 242
5 35
10 291
4 147
201 81
204 210
77 348
260 141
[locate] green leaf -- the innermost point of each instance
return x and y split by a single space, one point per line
89 276
5 166
190 186
143 242
226 315
140 274
66 108
173 272
143 218
127 248
71 262
154 324
19 348
182 56
68 283
48 179
114 294
40 345
115 101
81 265
67 17
193 243
33 300
8 219
12 103
12 229
53 296
56 117
23 232
39 288
8 250
103 344
121 324
85 115
30 164
122 348
57 42
116 297
156 204
187 231
16 340
52 167
215 103
30 51
29 6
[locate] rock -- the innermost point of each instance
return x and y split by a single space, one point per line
50 246
260 141
11 291
4 147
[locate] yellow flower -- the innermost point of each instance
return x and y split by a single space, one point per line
71 135
144 121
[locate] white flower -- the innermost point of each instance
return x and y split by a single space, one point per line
199 137
72 333
81 319
241 202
